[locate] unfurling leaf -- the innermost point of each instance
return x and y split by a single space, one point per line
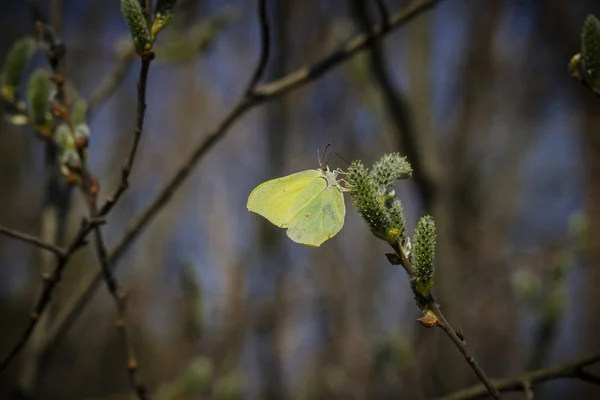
162 15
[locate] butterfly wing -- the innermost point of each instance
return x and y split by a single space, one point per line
320 220
279 200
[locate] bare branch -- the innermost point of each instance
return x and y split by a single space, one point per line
120 301
50 283
24 237
397 109
139 124
571 369
87 227
359 42
265 47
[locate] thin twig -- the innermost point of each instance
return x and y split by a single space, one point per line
571 369
267 91
265 47
87 226
462 347
121 323
24 237
139 125
112 80
50 283
429 304
359 42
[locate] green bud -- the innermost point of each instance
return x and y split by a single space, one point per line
79 111
38 96
396 213
134 15
590 53
63 137
391 168
14 65
590 42
368 200
423 255
162 15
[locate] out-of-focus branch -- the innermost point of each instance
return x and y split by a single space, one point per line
113 79
359 42
265 47
397 107
50 282
572 369
258 95
120 301
24 237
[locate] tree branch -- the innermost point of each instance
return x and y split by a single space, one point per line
50 282
265 46
259 95
428 304
24 237
359 42
571 369
121 323
397 108
137 135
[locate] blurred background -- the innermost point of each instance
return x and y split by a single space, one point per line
506 152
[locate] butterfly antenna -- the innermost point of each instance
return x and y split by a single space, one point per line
321 164
337 154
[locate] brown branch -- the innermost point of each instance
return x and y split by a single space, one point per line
265 46
24 237
571 369
120 301
112 80
462 347
359 42
260 94
428 304
397 109
139 125
87 227
50 283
